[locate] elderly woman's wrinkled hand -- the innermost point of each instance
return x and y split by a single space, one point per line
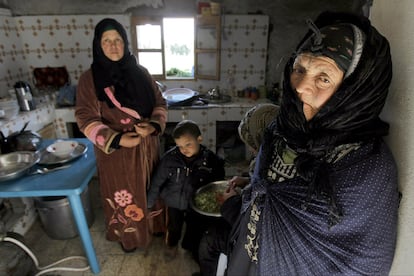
239 181
229 192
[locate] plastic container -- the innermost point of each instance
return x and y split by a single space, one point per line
56 215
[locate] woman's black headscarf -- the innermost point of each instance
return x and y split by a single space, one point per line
350 115
133 87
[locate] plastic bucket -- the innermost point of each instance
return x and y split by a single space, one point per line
57 218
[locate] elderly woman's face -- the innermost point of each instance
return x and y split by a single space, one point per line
315 79
112 45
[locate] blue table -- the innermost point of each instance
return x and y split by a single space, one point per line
70 182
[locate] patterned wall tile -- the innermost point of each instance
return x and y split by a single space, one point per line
27 42
13 64
244 49
61 40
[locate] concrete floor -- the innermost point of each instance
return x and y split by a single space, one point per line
113 261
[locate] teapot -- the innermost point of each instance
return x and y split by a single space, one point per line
23 140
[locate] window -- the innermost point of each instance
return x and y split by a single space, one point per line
178 48
165 46
208 41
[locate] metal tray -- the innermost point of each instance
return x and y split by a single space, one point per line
178 95
47 158
16 164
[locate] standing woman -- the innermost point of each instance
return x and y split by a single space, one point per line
120 109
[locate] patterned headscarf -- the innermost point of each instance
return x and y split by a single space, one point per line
351 115
341 42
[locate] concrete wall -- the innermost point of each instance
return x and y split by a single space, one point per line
394 19
287 17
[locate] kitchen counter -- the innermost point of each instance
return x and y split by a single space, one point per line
233 110
207 118
64 117
38 118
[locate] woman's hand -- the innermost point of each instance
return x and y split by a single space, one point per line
229 192
236 181
239 181
130 140
144 129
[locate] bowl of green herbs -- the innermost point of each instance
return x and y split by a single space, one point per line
206 199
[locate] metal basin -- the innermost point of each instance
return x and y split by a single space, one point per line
204 200
16 164
215 99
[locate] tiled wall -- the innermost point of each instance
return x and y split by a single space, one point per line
27 42
13 65
244 50
243 55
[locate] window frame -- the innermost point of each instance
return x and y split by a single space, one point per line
213 22
142 20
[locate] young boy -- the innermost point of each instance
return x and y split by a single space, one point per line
181 171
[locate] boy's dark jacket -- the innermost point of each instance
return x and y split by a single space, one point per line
176 181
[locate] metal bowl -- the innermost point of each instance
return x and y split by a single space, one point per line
16 164
209 191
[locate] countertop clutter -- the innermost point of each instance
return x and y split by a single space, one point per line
47 113
37 119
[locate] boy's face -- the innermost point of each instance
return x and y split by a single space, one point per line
188 145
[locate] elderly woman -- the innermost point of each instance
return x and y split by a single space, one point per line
120 109
324 198
214 241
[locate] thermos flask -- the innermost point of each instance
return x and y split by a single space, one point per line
24 96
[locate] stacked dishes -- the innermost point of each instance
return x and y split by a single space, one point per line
16 164
9 108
